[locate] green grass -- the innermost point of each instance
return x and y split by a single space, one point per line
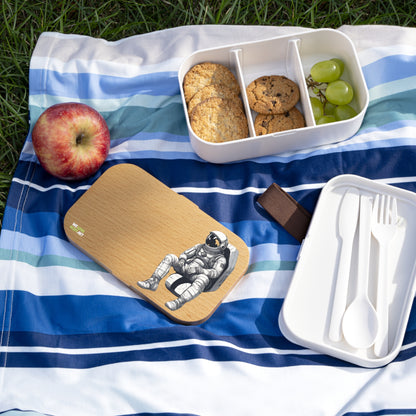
24 20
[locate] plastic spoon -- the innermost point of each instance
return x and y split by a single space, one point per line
360 322
347 224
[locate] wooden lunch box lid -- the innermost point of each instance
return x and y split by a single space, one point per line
135 227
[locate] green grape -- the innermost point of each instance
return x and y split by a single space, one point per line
340 63
344 112
339 92
317 107
329 108
326 119
325 71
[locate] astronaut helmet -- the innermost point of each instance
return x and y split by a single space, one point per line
216 241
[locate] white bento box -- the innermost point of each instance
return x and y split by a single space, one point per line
292 56
312 303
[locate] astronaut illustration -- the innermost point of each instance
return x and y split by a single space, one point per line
199 269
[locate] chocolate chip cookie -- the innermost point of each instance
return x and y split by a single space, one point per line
272 94
272 123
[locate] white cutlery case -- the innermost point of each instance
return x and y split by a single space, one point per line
308 306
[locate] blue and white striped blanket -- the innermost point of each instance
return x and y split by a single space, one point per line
76 341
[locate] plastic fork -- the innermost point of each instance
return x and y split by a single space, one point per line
383 228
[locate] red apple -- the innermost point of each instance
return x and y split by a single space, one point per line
71 140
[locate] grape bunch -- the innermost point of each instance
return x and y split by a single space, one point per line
330 95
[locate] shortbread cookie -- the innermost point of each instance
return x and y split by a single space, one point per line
206 73
272 123
213 90
272 94
219 120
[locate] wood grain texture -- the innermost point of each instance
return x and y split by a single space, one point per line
128 221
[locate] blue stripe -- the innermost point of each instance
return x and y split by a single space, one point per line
42 224
161 414
163 354
192 173
186 352
40 246
382 163
17 412
389 68
112 314
390 411
80 317
94 86
88 86
145 337
387 125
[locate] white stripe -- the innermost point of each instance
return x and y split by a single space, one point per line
134 67
216 189
390 88
81 282
265 284
373 136
371 55
49 188
390 388
182 189
155 345
105 104
249 189
203 387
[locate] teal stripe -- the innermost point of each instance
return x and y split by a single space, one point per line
130 121
54 260
47 260
271 265
395 107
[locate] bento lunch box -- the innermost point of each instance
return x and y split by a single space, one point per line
291 56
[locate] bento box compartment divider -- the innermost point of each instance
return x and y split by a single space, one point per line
294 65
236 56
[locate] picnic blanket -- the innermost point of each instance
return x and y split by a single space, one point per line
76 341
